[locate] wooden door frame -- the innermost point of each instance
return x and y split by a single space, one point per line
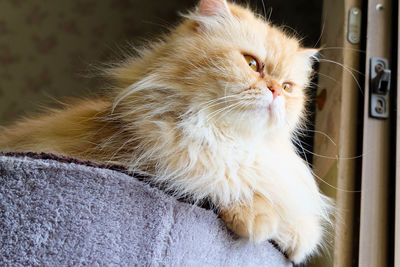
335 161
339 117
374 213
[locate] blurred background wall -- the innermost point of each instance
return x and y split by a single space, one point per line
47 47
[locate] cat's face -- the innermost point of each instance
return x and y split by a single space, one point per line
230 68
257 72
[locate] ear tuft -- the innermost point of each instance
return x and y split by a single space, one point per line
213 8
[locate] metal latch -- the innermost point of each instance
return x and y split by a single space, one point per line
354 26
379 88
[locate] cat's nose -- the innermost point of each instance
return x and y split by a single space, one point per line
275 88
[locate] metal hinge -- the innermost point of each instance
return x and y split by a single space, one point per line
380 76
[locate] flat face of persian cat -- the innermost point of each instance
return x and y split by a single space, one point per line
237 68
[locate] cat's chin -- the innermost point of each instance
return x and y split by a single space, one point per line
263 111
254 122
260 106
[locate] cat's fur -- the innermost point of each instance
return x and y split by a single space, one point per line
191 112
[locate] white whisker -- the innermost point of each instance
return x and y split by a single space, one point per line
347 69
334 187
319 132
213 114
343 48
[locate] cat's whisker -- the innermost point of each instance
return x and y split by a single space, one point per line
265 12
216 102
213 114
334 187
343 48
316 86
343 65
328 77
218 99
319 132
214 105
270 14
320 36
298 142
347 69
328 157
300 145
218 111
322 180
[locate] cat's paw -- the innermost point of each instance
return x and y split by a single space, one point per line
258 221
303 239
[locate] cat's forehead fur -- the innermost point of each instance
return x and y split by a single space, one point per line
244 31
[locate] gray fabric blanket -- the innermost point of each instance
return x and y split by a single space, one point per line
56 213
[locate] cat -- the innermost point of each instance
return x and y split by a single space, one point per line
209 111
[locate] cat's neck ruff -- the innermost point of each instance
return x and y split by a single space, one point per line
249 130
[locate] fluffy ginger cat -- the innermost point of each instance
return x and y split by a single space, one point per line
209 112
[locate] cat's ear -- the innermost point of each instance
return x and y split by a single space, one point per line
213 8
311 53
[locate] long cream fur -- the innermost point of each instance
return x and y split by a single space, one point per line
190 112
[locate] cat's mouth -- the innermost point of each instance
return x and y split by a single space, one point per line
257 98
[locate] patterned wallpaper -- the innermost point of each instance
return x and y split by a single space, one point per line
47 46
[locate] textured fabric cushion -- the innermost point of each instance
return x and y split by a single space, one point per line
56 213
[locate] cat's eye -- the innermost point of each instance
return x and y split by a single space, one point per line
252 62
288 87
